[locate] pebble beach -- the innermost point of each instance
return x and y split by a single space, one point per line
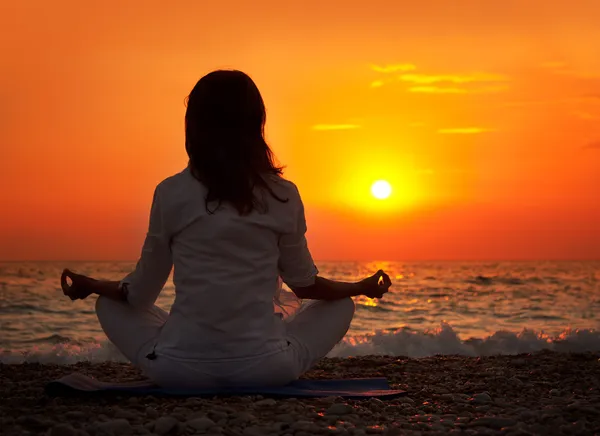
546 393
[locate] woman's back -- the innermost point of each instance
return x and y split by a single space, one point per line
227 268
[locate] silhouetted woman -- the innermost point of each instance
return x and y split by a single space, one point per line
231 226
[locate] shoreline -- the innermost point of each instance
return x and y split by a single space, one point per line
543 393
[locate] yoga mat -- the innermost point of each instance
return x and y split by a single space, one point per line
79 384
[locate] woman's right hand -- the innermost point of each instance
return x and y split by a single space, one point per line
376 286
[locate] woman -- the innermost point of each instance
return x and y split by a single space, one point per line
231 226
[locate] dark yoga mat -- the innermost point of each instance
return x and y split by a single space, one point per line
79 384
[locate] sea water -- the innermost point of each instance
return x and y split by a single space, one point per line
467 308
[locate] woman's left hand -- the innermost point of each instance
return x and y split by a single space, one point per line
81 286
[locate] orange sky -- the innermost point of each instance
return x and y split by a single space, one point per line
483 115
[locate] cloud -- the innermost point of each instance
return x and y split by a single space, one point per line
323 127
437 90
393 68
584 115
589 98
465 130
595 145
377 83
427 79
564 69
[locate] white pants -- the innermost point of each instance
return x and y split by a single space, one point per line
311 334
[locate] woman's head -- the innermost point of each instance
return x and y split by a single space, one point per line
224 139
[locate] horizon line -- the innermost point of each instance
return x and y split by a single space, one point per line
329 260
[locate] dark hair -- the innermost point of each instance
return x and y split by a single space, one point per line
224 140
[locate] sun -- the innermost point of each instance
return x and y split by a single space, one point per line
381 189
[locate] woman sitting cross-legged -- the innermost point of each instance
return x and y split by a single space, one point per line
231 227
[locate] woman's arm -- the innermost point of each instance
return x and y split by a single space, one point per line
143 285
325 289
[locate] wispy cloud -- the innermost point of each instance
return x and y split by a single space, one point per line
335 126
393 68
590 98
584 115
474 82
465 130
438 90
595 145
427 79
564 69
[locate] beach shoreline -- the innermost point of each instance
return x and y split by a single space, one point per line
542 393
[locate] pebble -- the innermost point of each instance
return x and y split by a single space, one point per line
256 431
76 414
63 430
339 409
200 424
126 414
494 422
115 427
266 402
405 400
285 417
482 398
241 418
165 424
151 412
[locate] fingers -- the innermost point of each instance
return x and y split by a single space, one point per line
383 280
63 281
68 290
386 280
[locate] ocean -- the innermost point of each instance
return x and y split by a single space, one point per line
466 308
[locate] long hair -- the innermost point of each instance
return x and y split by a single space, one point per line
225 141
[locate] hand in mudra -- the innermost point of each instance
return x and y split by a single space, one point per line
377 285
81 286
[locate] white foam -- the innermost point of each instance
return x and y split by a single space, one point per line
407 342
403 342
64 354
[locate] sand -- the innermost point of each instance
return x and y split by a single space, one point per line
544 393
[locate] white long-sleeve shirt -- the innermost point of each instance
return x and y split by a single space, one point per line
227 270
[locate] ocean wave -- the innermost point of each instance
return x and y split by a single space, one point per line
404 342
486 281
445 341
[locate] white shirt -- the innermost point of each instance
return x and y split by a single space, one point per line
227 270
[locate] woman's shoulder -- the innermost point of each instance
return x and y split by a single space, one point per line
282 186
175 181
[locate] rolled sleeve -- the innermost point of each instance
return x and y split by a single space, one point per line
296 265
146 281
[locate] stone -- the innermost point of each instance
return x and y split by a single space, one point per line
339 409
255 431
285 417
200 424
126 414
76 414
241 418
63 430
165 425
151 412
266 402
115 427
405 400
493 422
483 398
